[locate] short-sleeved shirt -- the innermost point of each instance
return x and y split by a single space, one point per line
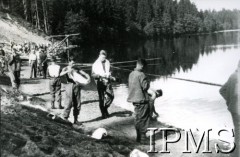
54 70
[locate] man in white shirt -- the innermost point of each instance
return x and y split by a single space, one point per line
33 63
53 71
101 74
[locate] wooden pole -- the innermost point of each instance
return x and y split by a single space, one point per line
67 49
182 79
54 36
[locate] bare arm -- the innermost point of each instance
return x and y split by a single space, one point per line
65 71
152 93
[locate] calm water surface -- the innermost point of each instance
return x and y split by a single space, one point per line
211 58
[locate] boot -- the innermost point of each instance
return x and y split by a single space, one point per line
106 113
52 105
60 106
76 121
143 139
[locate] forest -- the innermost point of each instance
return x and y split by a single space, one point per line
110 20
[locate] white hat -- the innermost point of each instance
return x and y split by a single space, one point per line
99 133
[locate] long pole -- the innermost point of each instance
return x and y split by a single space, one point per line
58 44
67 49
53 36
182 79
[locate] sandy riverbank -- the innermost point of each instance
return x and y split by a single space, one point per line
34 132
23 115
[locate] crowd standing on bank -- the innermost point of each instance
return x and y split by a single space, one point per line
140 94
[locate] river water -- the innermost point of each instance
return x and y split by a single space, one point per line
210 58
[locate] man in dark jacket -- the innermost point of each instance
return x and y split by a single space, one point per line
17 72
138 87
230 91
43 63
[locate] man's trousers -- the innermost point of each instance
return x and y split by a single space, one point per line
72 99
55 90
142 116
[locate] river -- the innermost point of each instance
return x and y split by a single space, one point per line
210 58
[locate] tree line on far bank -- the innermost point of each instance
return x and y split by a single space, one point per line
107 20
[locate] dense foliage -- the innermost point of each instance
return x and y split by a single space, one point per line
106 20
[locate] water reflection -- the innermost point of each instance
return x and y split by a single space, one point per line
210 58
185 104
174 55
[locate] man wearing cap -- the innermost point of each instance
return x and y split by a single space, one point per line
101 74
54 83
138 85
230 91
43 63
72 91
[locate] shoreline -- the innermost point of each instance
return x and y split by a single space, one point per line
119 126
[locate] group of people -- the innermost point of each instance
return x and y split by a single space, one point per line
11 66
138 84
11 62
38 62
140 94
102 77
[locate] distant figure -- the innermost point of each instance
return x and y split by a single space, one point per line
101 74
17 72
13 69
230 91
33 64
138 84
25 47
38 52
55 84
72 91
153 94
2 52
3 62
43 63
